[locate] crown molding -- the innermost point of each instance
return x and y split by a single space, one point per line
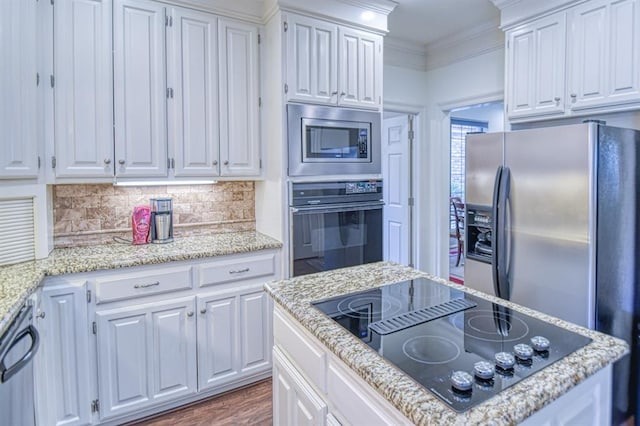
404 54
515 12
246 10
472 42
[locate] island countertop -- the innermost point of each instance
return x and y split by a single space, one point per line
18 281
510 406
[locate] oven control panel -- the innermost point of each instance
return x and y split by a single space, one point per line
361 187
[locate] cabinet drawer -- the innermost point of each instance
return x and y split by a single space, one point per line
237 269
139 284
309 357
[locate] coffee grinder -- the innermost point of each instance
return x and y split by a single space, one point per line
161 220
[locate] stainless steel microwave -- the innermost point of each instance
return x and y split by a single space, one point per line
333 141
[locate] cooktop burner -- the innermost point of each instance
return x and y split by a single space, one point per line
462 348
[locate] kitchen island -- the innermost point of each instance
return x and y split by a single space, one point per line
336 372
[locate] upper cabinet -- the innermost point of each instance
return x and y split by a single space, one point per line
140 89
535 63
331 64
605 54
582 60
83 88
19 80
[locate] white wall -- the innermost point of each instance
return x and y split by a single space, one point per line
435 93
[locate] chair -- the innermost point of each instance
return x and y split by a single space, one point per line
456 228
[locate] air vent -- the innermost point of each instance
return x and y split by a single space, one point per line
419 316
17 242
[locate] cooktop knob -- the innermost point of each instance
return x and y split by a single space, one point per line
461 381
540 343
505 360
523 351
484 370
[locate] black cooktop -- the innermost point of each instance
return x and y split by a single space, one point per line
462 348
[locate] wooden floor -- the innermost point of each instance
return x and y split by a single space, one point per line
247 406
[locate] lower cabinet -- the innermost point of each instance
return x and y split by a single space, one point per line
146 355
62 365
233 335
120 345
294 401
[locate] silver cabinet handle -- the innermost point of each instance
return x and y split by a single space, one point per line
203 311
146 285
557 99
226 162
190 313
334 93
215 162
107 161
41 315
239 271
121 162
342 94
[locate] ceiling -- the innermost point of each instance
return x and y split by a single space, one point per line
425 22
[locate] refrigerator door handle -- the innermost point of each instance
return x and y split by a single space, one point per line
505 234
496 247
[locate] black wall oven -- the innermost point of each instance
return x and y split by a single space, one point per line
334 225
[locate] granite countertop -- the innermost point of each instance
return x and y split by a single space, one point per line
18 281
420 406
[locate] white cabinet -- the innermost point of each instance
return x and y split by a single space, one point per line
312 60
83 88
233 336
604 46
580 61
192 74
62 369
203 120
536 68
360 76
239 100
19 81
294 401
146 355
140 88
332 64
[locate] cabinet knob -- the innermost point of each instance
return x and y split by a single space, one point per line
226 162
107 161
121 162
342 94
203 311
557 99
334 93
215 162
190 313
40 315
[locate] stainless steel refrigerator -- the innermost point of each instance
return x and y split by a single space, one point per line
552 224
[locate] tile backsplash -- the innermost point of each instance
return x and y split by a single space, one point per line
93 214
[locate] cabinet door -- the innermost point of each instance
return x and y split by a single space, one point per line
192 73
218 343
140 88
294 401
146 355
605 44
536 68
239 102
360 76
83 88
62 368
18 85
255 332
312 60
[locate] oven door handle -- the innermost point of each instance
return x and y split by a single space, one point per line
335 208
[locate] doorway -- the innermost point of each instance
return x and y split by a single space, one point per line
398 130
484 117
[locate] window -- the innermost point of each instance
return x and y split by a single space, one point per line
459 129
